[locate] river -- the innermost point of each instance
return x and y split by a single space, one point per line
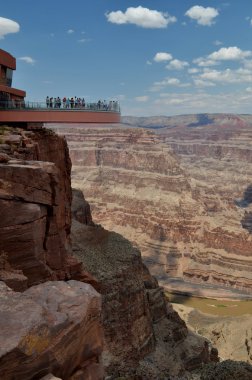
213 306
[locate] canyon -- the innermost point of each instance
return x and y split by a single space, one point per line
76 300
177 187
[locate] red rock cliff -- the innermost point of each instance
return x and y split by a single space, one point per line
53 326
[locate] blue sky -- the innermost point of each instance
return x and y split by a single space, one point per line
162 57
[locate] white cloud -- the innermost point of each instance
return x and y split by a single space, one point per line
204 62
247 64
227 76
83 40
162 57
148 62
193 70
157 86
230 53
179 103
140 16
28 60
203 16
143 99
203 83
8 26
176 64
217 43
248 18
70 31
171 102
172 81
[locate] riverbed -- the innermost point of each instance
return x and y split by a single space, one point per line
213 306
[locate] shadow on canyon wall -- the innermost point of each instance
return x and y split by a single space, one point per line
203 119
246 221
247 198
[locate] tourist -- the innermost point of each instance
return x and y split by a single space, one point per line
58 102
79 103
75 102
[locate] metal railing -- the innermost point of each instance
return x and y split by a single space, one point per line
111 106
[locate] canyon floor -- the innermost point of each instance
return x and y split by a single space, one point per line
231 335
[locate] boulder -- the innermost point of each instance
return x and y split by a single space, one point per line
52 328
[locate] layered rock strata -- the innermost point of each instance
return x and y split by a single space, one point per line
35 203
186 211
217 156
53 328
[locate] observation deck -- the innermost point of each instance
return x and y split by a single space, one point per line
14 108
39 112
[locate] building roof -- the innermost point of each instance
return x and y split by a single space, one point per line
12 91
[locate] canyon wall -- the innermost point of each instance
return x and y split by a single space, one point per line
181 194
47 326
144 337
53 323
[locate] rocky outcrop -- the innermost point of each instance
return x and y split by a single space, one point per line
35 202
51 327
185 211
13 278
143 336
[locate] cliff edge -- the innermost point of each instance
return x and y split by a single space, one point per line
52 320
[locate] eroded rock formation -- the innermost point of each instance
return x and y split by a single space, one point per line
185 211
53 328
35 203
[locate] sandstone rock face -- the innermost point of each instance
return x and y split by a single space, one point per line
13 278
51 330
52 327
188 212
143 337
35 203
